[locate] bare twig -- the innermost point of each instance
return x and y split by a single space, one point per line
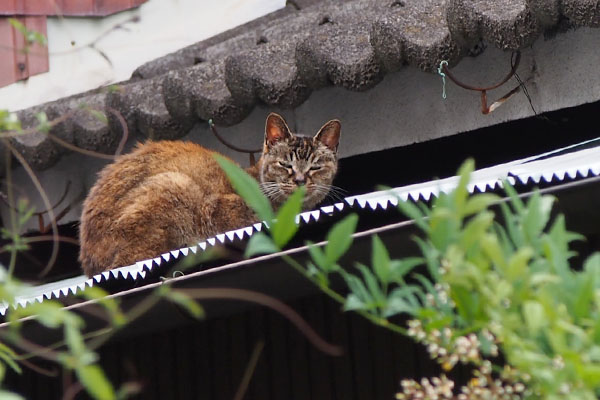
249 371
124 128
53 373
72 391
46 202
90 45
46 238
51 124
267 301
62 198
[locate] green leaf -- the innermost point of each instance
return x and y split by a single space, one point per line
431 257
99 115
584 295
467 302
402 300
6 395
400 268
535 316
43 123
9 359
340 238
18 25
285 227
517 264
30 36
358 289
9 121
493 250
260 244
537 215
184 301
444 226
74 340
49 313
479 202
372 285
247 188
515 200
318 256
413 212
380 259
461 191
512 227
93 379
475 229
354 303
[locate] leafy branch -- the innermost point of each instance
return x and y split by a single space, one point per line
490 291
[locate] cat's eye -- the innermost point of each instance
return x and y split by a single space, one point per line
315 168
285 164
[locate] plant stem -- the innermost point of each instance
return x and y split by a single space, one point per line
342 300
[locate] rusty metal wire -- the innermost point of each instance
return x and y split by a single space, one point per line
250 152
485 109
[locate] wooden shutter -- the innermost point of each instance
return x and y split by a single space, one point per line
18 61
66 8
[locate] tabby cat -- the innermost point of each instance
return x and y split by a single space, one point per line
169 194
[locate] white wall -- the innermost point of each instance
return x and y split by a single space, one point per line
165 26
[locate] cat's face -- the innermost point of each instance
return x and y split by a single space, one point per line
289 161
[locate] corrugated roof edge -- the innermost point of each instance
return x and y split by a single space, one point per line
543 168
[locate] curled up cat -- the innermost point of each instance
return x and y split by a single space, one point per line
168 194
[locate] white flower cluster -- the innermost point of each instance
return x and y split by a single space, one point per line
440 297
448 350
434 389
483 386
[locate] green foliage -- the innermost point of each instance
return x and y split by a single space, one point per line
30 36
284 227
515 280
181 299
9 121
490 287
43 122
248 188
260 244
94 379
74 352
16 242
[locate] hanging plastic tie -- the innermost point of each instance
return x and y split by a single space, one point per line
250 152
515 59
444 63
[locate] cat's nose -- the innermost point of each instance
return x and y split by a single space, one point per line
299 179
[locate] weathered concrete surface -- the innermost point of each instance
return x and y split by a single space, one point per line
405 108
280 59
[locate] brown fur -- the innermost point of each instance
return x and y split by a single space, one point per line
168 194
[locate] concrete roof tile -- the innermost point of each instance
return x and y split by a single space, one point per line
267 73
507 24
416 34
281 58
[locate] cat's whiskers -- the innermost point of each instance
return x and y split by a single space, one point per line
271 189
331 192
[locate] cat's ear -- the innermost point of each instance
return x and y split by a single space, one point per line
276 129
329 134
